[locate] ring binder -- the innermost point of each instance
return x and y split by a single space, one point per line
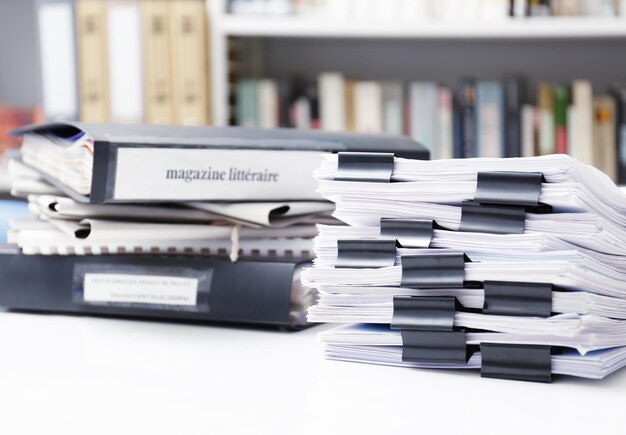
434 270
518 299
508 188
516 362
409 233
489 218
372 167
365 253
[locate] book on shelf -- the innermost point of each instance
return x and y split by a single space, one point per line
125 60
91 39
57 52
481 118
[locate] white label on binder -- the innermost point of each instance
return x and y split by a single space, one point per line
140 289
215 174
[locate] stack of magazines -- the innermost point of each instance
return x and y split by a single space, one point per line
514 266
198 223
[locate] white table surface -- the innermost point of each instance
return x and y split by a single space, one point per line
63 374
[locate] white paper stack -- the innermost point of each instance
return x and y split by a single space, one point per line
63 226
570 244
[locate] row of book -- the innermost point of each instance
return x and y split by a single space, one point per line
419 10
124 60
481 118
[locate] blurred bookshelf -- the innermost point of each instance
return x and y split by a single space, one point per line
283 63
559 61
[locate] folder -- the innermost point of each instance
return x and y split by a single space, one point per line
105 163
157 287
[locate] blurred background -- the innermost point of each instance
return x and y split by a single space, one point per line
498 78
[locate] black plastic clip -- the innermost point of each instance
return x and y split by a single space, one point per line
427 328
373 167
410 233
518 299
433 270
423 313
495 219
508 188
501 201
516 362
365 253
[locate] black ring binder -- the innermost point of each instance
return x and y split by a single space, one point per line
434 270
410 233
509 188
516 362
518 299
489 218
365 253
373 167
423 313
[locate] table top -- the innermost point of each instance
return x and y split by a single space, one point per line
73 374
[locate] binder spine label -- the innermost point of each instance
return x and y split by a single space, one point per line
148 287
195 174
140 289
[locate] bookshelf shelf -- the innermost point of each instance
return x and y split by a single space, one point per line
567 32
513 28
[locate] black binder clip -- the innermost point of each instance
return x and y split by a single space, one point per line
409 233
518 299
372 167
501 201
365 253
433 270
495 219
509 188
427 328
516 362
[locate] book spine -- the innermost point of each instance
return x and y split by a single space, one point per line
247 105
604 127
367 107
332 101
157 60
311 93
528 127
91 28
582 136
188 27
267 100
545 97
445 127
513 99
285 100
619 94
349 104
423 100
467 112
55 23
490 129
561 102
393 106
125 75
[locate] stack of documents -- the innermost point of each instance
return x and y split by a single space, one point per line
514 266
162 192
